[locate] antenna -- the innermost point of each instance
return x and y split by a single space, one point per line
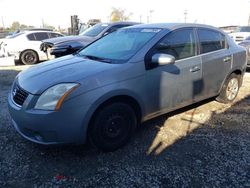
185 16
150 14
3 23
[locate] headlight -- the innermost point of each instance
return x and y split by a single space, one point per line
53 97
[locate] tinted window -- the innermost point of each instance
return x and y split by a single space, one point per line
31 36
95 30
180 44
41 36
114 28
53 35
211 40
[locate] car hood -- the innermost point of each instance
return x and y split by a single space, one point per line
245 43
59 40
67 69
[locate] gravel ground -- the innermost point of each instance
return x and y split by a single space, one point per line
204 145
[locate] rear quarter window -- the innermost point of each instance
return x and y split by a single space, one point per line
211 40
31 37
54 35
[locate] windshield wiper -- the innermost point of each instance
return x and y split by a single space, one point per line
98 58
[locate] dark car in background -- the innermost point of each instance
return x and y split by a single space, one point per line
70 44
246 44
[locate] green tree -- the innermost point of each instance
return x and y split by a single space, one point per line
15 26
47 26
119 14
23 26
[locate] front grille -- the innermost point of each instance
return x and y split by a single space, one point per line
19 95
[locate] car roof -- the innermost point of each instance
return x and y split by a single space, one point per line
120 23
38 31
172 26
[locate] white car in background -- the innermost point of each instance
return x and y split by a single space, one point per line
25 45
240 34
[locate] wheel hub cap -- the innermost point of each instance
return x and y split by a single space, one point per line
232 89
114 126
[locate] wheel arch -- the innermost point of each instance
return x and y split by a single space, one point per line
118 96
236 71
131 101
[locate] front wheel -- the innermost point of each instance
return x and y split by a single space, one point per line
29 57
230 89
112 126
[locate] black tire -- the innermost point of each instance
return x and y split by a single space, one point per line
112 126
230 89
29 57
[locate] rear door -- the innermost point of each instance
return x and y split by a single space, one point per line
34 41
216 60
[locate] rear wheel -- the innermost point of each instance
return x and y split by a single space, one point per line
29 57
230 89
112 126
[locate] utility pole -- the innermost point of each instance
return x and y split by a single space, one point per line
43 25
249 16
249 20
140 18
150 13
185 16
3 23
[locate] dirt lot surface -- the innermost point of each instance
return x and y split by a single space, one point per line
204 145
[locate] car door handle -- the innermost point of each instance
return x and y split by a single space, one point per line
195 69
227 59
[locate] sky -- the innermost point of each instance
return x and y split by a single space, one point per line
58 12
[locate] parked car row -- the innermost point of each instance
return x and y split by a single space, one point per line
104 91
240 34
35 45
246 44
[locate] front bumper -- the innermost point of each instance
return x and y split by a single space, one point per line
48 127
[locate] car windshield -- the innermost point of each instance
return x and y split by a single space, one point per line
243 29
94 31
119 46
14 35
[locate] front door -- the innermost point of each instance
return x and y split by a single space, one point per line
175 85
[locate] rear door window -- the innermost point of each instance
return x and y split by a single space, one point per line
211 40
41 36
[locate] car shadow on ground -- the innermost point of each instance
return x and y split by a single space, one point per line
205 144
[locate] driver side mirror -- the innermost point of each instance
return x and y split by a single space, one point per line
162 59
